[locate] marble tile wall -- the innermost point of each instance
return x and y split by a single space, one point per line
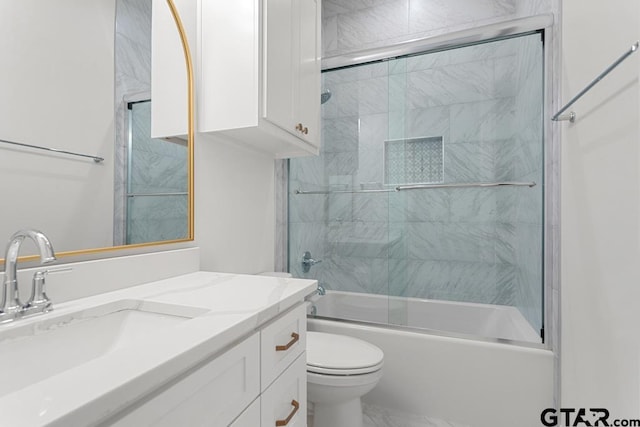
133 82
475 245
156 218
281 204
157 166
349 25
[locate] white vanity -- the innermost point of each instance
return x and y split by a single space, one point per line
198 349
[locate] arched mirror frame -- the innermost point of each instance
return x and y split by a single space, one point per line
190 161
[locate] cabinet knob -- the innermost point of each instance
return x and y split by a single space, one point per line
302 129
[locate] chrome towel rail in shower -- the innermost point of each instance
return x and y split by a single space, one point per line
55 150
571 116
178 193
381 190
426 187
466 185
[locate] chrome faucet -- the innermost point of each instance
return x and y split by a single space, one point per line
11 307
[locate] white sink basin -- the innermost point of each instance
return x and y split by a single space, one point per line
38 350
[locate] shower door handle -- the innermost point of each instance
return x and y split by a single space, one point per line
307 262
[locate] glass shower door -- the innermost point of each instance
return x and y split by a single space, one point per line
341 215
468 115
156 205
397 205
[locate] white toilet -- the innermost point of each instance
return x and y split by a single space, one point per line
340 370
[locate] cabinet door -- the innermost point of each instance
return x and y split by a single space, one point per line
308 102
212 395
228 64
286 398
280 65
292 67
169 104
281 343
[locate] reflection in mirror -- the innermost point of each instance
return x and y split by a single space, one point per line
62 62
156 181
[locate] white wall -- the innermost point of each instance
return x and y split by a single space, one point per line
234 207
600 211
56 86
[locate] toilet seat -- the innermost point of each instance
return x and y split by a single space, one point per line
341 355
342 372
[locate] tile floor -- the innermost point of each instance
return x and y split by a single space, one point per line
376 416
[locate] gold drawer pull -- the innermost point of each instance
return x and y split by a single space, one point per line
299 127
305 130
284 422
294 339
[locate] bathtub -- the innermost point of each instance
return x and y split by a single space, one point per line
455 318
447 376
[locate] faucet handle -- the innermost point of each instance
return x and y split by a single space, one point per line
39 301
307 262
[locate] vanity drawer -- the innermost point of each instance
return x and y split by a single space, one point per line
212 395
281 343
286 399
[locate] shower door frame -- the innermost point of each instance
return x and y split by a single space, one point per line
551 195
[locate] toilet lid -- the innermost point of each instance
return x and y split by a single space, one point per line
341 355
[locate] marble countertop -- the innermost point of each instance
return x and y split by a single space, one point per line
231 306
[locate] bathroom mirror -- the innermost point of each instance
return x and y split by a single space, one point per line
75 75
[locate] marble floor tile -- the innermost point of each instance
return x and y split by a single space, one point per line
376 416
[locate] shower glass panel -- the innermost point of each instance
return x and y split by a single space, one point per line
156 182
467 115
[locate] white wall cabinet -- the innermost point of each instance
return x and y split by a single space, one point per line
259 74
232 389
169 102
291 69
257 68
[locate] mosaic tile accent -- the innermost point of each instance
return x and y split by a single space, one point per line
415 160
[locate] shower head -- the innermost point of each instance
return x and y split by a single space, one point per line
325 96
